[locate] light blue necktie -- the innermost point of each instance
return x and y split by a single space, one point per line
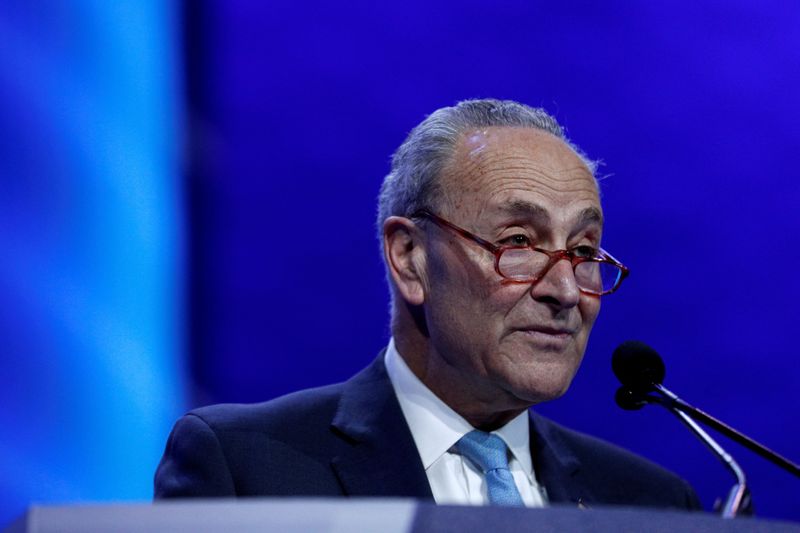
490 453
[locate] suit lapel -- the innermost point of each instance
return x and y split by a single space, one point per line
382 459
556 467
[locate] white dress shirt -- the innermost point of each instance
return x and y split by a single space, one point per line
436 429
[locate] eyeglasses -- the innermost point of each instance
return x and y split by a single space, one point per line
596 273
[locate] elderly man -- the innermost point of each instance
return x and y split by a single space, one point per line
490 222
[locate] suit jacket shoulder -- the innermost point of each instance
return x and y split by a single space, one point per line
237 449
343 439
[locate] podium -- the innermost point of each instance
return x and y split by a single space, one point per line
292 515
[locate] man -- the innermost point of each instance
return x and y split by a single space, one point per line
490 222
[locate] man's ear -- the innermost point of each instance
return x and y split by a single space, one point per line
405 258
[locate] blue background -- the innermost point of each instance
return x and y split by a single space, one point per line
91 249
187 210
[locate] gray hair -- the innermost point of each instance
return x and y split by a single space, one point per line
413 182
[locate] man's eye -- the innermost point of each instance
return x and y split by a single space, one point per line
517 240
584 251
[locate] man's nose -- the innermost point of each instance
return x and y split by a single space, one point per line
557 286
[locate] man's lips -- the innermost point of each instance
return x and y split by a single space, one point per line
555 331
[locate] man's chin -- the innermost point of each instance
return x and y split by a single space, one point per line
544 396
538 391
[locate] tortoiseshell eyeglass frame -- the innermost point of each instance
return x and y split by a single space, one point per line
555 256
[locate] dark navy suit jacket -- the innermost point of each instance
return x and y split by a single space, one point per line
351 439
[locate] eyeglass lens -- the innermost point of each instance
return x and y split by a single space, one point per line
525 264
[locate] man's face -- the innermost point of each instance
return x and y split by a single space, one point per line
507 346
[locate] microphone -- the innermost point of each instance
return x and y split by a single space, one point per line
628 399
641 370
637 366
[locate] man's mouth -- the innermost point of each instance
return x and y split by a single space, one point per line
554 331
548 334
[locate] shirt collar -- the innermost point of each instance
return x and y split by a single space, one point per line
436 427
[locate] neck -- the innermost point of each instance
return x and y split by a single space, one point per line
485 407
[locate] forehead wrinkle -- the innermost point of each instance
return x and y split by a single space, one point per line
470 172
522 168
497 199
525 184
545 172
562 162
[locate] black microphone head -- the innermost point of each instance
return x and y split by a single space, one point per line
637 366
629 400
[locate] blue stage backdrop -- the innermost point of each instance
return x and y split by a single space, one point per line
91 238
296 107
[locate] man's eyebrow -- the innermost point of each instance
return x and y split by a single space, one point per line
590 215
524 208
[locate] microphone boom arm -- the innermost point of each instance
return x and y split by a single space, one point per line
725 429
736 496
641 371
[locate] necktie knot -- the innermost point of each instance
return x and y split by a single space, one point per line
486 450
490 453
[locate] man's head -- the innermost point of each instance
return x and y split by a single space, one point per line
505 173
417 164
